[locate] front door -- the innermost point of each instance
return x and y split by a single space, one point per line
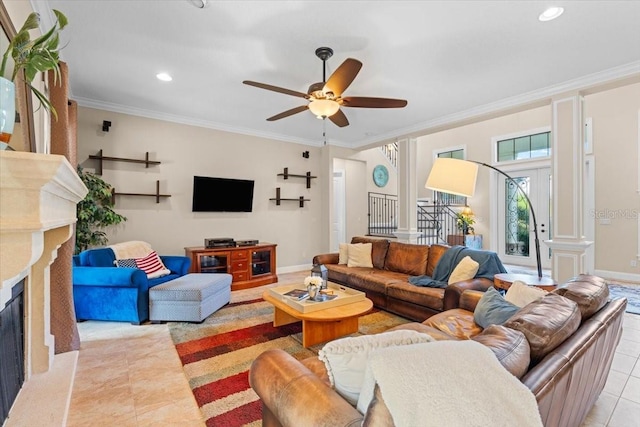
516 239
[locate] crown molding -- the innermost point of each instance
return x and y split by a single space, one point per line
123 109
537 97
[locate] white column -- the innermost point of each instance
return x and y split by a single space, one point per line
568 243
407 192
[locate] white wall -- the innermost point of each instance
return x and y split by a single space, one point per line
477 141
186 151
615 115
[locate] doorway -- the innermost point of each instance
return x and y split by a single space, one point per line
515 236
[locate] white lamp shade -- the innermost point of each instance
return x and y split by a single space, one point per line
324 107
453 176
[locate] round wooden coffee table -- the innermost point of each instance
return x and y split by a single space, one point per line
504 281
321 325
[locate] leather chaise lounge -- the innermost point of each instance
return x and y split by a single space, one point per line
560 346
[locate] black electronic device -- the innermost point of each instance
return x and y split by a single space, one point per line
219 242
247 242
222 195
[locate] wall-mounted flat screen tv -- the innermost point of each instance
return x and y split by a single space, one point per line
222 195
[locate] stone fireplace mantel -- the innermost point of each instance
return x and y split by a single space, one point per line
38 197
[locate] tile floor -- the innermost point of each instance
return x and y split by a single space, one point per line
131 376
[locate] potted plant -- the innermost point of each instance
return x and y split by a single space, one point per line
95 212
464 222
29 58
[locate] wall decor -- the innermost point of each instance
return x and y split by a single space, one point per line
380 175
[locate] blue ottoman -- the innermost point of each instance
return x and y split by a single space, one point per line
190 298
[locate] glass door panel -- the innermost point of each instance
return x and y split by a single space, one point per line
214 263
260 262
516 240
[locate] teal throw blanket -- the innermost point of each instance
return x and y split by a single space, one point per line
489 262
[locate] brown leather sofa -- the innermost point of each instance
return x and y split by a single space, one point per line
386 284
560 346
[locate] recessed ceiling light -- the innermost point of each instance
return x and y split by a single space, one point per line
164 77
550 13
200 4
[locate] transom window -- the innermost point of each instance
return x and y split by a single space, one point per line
453 154
446 198
524 147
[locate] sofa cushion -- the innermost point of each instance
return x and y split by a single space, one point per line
343 253
422 296
373 279
465 270
346 358
435 253
377 413
589 292
359 255
521 294
152 265
546 323
456 322
337 272
378 249
407 258
436 334
510 347
493 309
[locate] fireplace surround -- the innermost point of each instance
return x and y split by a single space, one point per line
38 197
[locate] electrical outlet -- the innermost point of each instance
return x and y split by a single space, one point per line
633 263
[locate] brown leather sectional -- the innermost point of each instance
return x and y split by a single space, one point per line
386 284
560 346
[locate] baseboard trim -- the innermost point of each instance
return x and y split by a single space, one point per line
616 275
293 268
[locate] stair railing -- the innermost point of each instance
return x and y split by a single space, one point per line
436 221
391 152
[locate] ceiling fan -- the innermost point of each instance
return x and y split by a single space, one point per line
325 98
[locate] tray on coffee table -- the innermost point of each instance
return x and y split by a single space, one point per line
345 296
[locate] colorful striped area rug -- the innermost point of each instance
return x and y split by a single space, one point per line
217 354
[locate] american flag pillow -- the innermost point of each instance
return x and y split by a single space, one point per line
127 262
152 265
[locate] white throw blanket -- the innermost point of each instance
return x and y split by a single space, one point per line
132 249
451 383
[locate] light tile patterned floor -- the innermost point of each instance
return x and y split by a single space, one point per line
131 376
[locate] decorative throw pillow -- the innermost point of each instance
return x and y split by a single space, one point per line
465 270
152 265
343 255
493 309
346 358
521 294
128 263
359 255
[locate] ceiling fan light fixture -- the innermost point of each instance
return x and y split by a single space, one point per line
323 108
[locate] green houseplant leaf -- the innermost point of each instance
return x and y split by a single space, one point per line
33 56
95 212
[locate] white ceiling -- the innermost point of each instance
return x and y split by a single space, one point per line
449 59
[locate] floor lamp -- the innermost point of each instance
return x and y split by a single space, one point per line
458 177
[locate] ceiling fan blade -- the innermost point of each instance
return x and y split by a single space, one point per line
339 119
342 77
276 89
366 102
288 113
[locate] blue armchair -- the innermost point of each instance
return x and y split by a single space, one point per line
102 291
